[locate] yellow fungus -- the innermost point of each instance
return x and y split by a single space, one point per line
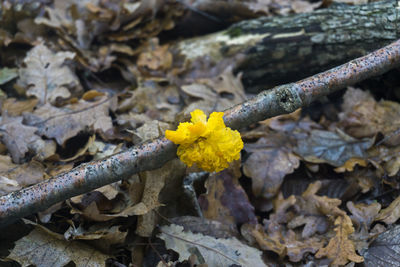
209 144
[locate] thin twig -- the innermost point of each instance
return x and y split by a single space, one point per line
279 100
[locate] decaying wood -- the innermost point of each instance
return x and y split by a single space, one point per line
274 50
282 99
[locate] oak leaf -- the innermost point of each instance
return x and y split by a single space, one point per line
46 77
340 248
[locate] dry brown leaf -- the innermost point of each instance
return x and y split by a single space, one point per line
391 214
157 58
387 157
100 236
270 161
39 248
154 182
216 94
152 101
150 130
46 77
20 139
362 214
349 165
215 252
362 116
20 175
8 185
226 201
285 243
15 107
340 248
64 123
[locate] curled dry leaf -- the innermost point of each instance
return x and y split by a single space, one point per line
391 214
46 77
285 242
362 214
340 248
270 160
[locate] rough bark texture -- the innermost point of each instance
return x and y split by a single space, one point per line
284 49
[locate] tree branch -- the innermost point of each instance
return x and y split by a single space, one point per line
149 156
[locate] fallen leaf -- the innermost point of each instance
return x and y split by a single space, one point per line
334 148
363 117
270 160
216 94
363 215
150 130
226 201
41 249
66 122
215 252
154 181
46 77
387 157
7 74
391 214
100 236
340 248
8 185
156 58
350 164
285 243
15 107
385 249
154 101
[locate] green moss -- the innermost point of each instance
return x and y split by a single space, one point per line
234 32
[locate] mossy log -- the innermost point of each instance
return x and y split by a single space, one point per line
275 50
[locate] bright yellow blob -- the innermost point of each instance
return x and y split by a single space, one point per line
209 144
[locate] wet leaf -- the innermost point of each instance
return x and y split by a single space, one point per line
210 250
41 249
334 148
46 77
340 248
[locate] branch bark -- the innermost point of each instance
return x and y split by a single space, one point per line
289 48
149 156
